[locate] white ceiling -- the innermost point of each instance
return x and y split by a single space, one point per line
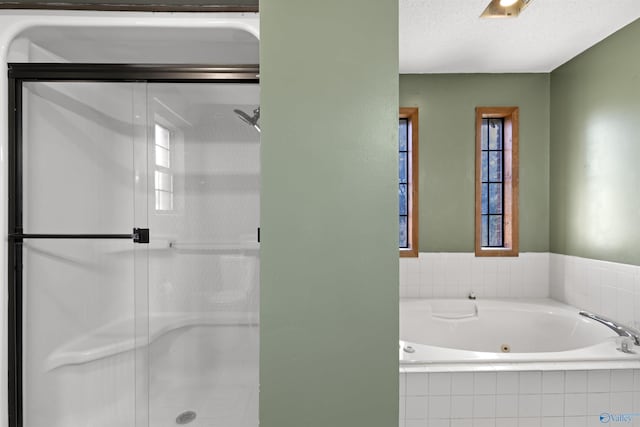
447 36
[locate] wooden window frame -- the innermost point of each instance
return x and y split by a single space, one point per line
511 180
411 114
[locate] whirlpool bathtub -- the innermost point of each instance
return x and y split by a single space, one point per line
506 333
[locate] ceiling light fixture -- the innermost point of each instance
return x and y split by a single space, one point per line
505 8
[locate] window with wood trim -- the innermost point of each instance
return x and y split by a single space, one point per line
408 182
496 215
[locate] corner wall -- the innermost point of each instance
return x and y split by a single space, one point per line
595 151
329 254
447 153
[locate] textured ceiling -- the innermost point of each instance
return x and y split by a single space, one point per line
447 36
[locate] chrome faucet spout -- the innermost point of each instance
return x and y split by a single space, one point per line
620 329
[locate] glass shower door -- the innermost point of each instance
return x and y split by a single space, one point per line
83 191
119 333
204 207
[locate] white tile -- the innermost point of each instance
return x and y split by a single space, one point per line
438 423
416 384
439 407
484 383
484 406
621 402
416 423
506 405
462 422
416 407
530 382
461 406
552 422
401 408
622 380
575 404
610 302
413 279
439 384
462 383
636 401
598 403
578 421
507 382
484 422
412 266
506 422
598 380
529 422
553 382
402 384
529 405
575 382
552 405
625 307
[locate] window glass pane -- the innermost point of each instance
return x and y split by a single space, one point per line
485 230
403 168
164 200
495 166
163 157
485 166
402 134
495 198
484 208
163 181
495 134
403 232
403 199
495 231
484 134
163 137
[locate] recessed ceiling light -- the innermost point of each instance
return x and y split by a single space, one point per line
505 8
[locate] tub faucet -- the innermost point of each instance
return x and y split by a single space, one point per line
472 295
621 330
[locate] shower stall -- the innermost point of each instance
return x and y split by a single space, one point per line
133 245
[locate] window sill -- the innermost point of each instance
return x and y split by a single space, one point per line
409 253
496 252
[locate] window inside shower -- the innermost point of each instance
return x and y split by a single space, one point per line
109 326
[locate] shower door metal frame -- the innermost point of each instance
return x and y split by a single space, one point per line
18 73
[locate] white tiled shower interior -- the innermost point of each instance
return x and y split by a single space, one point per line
522 398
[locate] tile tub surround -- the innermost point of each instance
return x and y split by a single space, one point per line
454 275
607 288
518 398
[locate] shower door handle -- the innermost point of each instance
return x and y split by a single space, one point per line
141 235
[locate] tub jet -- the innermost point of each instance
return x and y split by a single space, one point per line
185 417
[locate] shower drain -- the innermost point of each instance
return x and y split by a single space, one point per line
186 417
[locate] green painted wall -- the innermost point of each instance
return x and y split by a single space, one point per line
595 151
447 151
329 257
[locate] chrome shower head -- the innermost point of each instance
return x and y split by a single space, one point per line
252 120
